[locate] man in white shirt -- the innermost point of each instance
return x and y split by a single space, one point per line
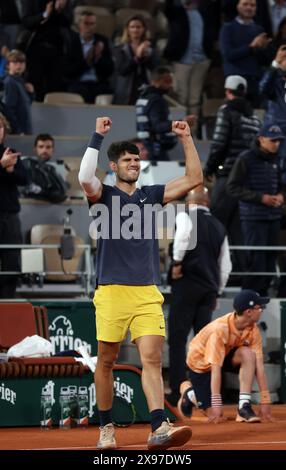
200 269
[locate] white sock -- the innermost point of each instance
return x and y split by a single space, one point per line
244 398
192 397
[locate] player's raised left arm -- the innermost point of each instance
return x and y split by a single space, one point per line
193 177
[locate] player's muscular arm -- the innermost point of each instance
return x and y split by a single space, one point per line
193 175
89 182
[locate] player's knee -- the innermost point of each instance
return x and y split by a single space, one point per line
148 358
107 363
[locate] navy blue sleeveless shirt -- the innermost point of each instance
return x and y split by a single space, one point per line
127 247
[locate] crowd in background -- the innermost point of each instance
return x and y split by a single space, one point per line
200 40
228 49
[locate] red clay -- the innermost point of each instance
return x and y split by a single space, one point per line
224 436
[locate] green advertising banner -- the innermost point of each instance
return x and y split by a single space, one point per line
20 399
71 324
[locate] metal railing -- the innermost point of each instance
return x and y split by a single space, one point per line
277 249
88 271
86 274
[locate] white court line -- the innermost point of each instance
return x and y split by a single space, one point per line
87 447
239 443
79 448
126 447
64 448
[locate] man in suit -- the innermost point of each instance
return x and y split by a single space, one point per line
94 52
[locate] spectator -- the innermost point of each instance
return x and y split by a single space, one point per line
95 58
231 343
273 85
135 58
241 43
277 14
143 152
44 181
4 51
278 40
200 269
12 174
211 14
9 22
18 94
44 146
48 42
255 181
236 127
152 115
262 15
188 48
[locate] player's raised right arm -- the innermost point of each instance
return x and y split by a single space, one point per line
89 182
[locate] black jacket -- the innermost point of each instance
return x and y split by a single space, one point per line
18 103
254 174
9 196
272 86
179 32
153 122
75 64
32 15
235 129
131 73
201 265
55 31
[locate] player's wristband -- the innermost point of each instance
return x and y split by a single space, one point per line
96 141
265 397
216 400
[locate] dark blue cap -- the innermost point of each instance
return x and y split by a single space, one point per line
248 299
271 131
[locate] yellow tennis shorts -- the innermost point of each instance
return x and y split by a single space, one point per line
120 307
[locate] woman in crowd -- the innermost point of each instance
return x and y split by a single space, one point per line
135 58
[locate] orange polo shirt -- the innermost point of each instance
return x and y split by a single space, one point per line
215 341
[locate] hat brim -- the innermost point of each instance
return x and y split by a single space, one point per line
278 137
262 301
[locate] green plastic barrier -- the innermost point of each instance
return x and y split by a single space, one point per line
20 399
71 324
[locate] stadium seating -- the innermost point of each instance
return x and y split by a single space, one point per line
62 98
50 234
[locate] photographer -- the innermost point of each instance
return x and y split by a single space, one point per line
273 86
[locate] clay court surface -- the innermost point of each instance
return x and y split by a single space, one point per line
226 436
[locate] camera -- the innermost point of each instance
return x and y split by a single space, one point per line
67 248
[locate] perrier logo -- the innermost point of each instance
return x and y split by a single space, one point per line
62 335
7 394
